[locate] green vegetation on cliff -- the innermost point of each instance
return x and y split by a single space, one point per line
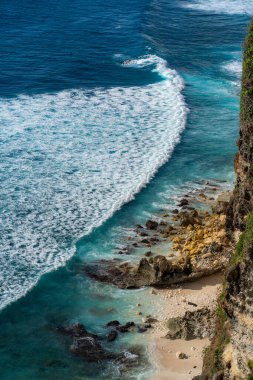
245 241
213 355
247 79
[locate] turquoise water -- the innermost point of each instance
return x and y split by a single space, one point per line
134 111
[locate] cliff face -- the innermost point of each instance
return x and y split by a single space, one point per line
231 352
238 305
242 200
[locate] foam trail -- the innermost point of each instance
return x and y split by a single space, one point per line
222 6
70 159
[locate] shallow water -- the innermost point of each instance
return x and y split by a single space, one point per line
101 110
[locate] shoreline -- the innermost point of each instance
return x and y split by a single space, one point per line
195 254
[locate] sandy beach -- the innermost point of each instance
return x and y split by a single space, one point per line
174 303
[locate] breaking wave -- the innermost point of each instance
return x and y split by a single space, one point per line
70 159
222 6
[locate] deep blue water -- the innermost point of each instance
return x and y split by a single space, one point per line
92 110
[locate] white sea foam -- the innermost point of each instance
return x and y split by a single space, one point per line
222 6
69 160
234 68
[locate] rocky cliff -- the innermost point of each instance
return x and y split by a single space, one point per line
231 352
242 200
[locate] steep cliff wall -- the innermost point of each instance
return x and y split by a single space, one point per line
238 306
242 200
231 352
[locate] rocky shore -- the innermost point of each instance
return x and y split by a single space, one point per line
179 254
198 245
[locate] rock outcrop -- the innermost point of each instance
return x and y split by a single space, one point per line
156 271
86 345
194 324
90 347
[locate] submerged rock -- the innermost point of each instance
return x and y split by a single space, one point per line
85 344
112 336
126 328
90 349
113 324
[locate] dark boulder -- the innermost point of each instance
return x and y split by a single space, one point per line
151 225
183 202
197 324
154 239
188 218
143 234
90 349
145 241
113 324
85 344
192 304
149 320
112 335
161 266
126 328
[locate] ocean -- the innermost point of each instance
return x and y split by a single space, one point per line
108 112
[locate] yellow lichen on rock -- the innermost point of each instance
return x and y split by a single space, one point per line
197 238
